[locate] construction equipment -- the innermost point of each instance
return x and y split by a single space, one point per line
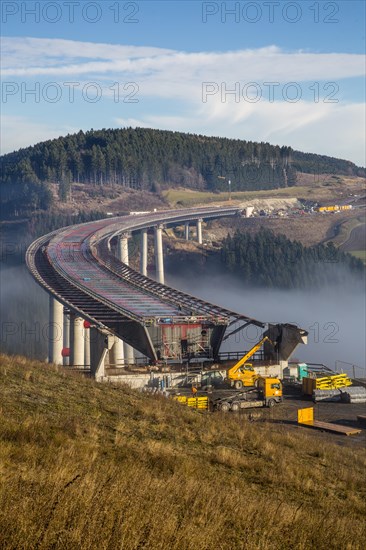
309 384
333 208
267 393
242 373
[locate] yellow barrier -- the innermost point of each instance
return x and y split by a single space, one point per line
305 416
193 402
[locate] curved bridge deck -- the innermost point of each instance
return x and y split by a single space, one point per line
76 266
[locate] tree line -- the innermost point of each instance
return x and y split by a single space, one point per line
271 260
150 159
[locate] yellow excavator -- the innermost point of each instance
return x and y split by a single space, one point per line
242 373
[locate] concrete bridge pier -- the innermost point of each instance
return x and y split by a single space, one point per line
66 360
159 257
86 335
199 230
186 231
56 330
122 255
122 248
101 342
129 355
143 253
77 352
117 354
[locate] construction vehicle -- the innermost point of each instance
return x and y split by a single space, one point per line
334 208
267 393
243 373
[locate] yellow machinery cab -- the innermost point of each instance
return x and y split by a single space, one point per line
271 387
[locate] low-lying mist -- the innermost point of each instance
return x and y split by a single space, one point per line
334 316
24 314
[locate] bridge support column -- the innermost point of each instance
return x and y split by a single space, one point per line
159 258
129 355
101 342
122 248
76 341
186 231
143 253
86 334
66 360
199 230
56 326
117 353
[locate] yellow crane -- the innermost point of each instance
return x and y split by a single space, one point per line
242 373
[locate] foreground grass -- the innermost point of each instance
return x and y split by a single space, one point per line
95 466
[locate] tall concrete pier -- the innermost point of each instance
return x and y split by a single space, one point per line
159 258
77 347
186 231
143 256
199 230
122 248
56 329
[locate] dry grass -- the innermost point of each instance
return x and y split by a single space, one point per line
95 466
320 188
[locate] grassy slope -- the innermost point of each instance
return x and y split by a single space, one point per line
94 466
325 188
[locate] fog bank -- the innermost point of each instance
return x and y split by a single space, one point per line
334 316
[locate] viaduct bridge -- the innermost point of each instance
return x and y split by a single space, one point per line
101 309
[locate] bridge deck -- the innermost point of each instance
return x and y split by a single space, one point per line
76 266
68 253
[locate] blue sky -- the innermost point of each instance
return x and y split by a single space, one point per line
285 72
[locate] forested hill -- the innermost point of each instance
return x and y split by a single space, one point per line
147 159
270 260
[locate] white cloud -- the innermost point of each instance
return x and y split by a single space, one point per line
176 76
40 57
